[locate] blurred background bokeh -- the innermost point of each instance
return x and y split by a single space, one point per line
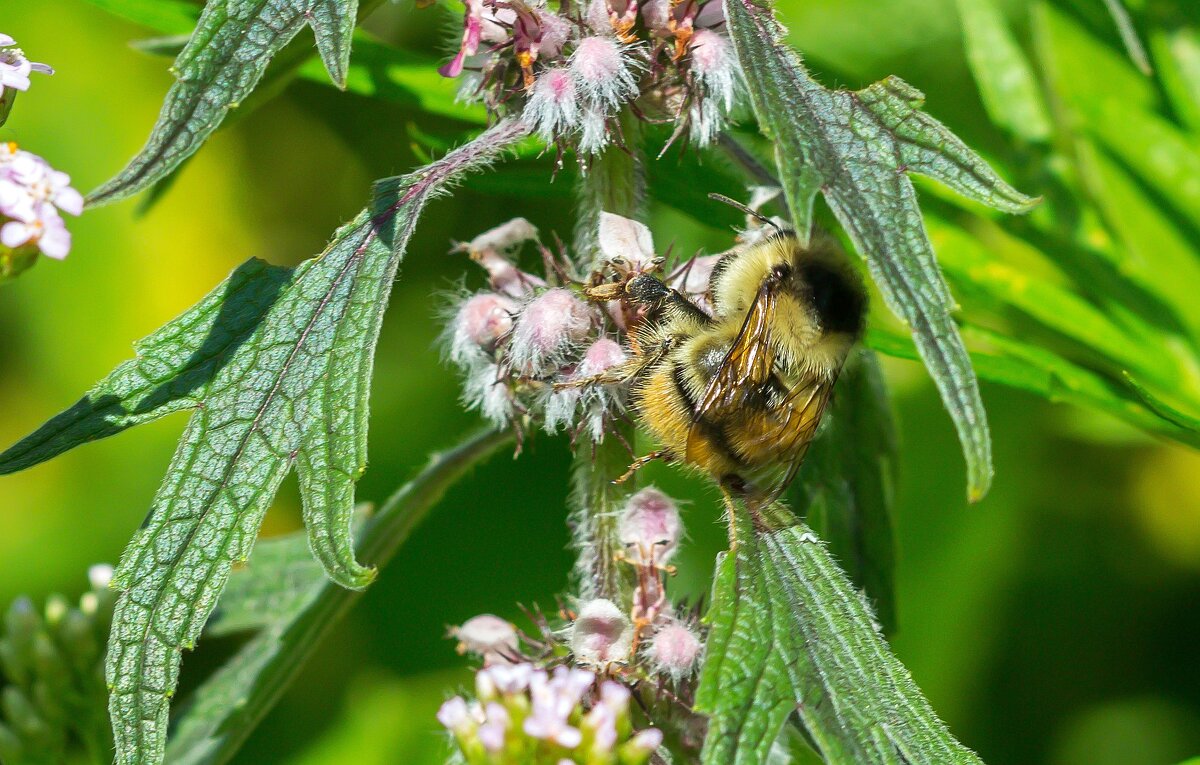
1056 622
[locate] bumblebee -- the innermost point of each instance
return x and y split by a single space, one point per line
738 394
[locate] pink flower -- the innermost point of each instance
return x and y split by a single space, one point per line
548 327
553 701
503 680
31 194
601 634
553 105
479 324
714 68
675 650
603 71
455 716
492 733
472 32
603 717
650 527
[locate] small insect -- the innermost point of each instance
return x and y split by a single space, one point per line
738 395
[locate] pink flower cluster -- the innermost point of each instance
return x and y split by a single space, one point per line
32 193
518 338
571 71
529 715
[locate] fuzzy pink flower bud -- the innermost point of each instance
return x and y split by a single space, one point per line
715 69
601 634
479 324
553 104
674 650
603 72
650 527
546 330
488 636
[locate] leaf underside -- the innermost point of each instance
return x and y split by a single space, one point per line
226 56
275 365
790 633
857 148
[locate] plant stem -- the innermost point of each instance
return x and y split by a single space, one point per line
614 183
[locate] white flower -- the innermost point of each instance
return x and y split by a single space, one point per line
503 680
492 732
15 68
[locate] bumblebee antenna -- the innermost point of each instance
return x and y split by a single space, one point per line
752 213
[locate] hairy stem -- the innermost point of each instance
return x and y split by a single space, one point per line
614 183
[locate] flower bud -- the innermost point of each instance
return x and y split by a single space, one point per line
674 650
546 329
488 636
601 634
650 527
553 104
479 324
625 239
602 71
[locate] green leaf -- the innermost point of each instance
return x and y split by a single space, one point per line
847 483
170 17
791 632
224 60
285 593
856 149
1129 36
1040 371
1177 56
288 387
1010 91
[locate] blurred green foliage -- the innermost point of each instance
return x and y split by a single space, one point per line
1053 623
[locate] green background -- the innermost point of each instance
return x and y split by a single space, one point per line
1055 622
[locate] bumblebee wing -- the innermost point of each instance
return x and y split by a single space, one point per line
747 365
790 429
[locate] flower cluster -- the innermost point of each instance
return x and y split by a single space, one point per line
571 71
32 193
527 345
523 714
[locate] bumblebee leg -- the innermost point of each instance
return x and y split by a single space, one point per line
641 462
